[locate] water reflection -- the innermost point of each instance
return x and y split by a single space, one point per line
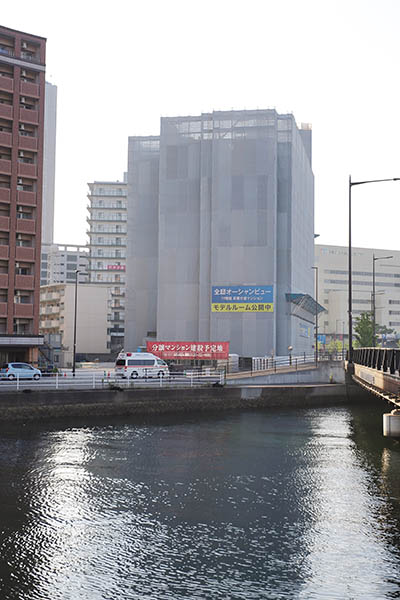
285 504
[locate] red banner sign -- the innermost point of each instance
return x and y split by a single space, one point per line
206 350
116 267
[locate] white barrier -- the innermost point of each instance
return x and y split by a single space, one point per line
107 380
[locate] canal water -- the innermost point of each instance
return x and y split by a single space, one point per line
294 503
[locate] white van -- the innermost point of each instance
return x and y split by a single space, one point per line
132 365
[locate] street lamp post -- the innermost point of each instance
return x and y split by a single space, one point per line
75 311
316 313
375 258
351 184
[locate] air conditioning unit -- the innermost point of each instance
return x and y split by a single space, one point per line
23 73
23 99
21 153
21 126
24 45
19 180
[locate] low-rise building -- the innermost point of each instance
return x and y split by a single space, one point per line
332 263
57 319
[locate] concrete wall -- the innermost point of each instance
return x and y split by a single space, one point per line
91 322
49 162
43 405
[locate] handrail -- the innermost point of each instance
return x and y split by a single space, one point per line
107 380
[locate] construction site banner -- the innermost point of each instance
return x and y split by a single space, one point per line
193 350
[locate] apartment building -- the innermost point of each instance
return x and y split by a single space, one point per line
61 261
107 233
57 314
22 96
332 263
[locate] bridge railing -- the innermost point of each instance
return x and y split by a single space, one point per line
382 359
265 363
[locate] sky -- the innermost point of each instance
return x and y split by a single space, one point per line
119 66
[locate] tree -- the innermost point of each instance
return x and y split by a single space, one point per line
334 346
364 331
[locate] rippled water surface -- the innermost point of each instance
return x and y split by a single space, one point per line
279 504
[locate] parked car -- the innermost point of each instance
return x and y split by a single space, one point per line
19 370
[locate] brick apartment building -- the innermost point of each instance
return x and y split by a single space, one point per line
22 91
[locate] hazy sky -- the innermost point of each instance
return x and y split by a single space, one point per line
121 65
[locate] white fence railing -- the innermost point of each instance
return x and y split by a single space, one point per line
264 363
107 380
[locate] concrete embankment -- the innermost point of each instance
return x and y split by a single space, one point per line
42 405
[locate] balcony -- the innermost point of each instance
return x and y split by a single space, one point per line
23 310
112 206
31 57
28 198
107 242
22 253
6 84
3 279
24 282
4 253
27 142
5 166
3 309
49 310
4 223
5 138
28 88
6 111
110 217
50 324
26 226
27 169
28 116
4 194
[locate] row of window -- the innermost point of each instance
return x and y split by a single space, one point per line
344 282
361 273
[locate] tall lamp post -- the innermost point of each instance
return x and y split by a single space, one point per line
351 184
316 313
75 310
374 259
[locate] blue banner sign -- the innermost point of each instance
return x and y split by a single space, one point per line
243 294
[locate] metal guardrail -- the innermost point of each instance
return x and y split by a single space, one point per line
382 359
264 363
99 381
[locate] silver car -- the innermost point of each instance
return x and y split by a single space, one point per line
19 370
